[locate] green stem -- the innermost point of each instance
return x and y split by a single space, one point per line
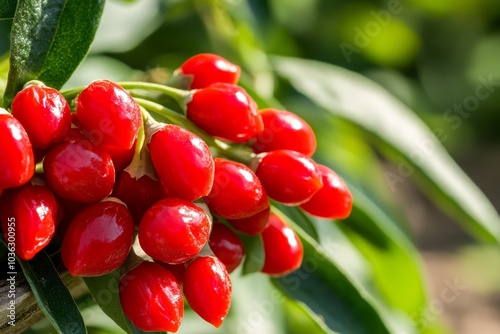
221 148
181 96
72 93
39 168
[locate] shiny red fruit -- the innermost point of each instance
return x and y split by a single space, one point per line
98 239
237 191
225 111
28 216
283 252
121 157
109 114
44 113
289 177
333 200
173 230
17 162
284 130
207 68
79 171
178 270
207 288
151 298
138 194
227 246
183 162
253 225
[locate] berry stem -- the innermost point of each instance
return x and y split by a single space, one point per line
221 148
39 168
181 96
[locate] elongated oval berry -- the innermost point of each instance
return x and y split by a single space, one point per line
17 162
289 177
237 191
44 113
225 111
284 130
109 114
173 230
79 171
253 225
29 216
207 288
151 298
227 246
178 270
333 200
183 162
283 251
98 239
208 68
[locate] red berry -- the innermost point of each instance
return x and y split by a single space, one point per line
227 246
29 216
79 171
253 225
207 68
289 177
284 130
173 230
333 201
226 111
109 114
151 298
207 288
138 194
17 162
183 162
121 157
98 239
237 191
178 270
283 252
44 113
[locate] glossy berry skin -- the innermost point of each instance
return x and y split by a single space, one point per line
183 162
207 288
178 270
283 251
289 177
253 225
225 111
151 298
237 191
44 113
79 171
333 200
109 114
139 194
98 239
17 162
31 212
207 68
284 130
173 230
227 246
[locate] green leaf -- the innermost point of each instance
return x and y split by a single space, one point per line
49 39
254 254
322 285
105 291
52 295
7 9
400 134
300 319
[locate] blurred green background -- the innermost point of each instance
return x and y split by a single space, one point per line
440 58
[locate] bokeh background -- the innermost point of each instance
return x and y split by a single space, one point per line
434 56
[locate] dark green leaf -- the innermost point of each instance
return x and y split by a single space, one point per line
254 254
299 218
322 285
105 291
400 134
52 295
7 9
49 39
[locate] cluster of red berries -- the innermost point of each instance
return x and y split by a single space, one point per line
109 171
